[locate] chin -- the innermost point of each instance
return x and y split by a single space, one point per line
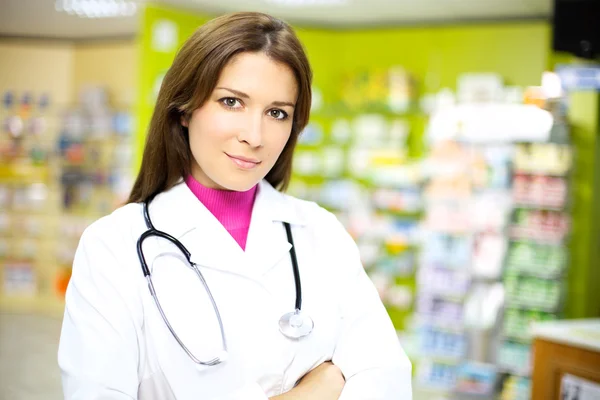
241 184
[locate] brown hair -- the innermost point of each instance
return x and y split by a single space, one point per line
191 80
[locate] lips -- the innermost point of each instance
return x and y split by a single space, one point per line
243 162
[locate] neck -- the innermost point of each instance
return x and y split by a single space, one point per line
232 209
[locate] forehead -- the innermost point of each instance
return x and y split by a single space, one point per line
257 74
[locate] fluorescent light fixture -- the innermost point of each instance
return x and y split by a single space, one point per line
307 3
97 8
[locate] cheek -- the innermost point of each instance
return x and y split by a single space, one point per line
278 137
223 125
213 126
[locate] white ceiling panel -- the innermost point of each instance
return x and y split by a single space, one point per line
40 19
504 9
544 7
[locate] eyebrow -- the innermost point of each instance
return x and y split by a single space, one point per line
246 96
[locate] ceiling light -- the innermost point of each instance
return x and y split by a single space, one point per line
97 8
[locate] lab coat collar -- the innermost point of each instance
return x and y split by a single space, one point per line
277 206
179 213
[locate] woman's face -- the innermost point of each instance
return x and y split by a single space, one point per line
237 135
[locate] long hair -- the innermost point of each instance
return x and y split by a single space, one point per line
192 78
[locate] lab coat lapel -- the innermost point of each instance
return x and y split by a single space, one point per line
267 241
179 213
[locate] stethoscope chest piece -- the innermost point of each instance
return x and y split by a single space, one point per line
296 324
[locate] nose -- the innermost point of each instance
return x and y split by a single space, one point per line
252 133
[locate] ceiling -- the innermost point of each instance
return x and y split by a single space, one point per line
38 18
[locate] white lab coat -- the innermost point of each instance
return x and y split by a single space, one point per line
114 344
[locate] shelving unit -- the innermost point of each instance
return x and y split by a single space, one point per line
67 167
493 255
463 249
360 158
537 260
350 165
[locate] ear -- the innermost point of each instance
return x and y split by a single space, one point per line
184 121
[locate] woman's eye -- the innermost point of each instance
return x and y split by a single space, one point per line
278 114
230 102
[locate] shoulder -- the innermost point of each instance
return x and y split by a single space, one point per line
105 267
316 222
122 224
320 221
333 250
108 245
107 253
311 212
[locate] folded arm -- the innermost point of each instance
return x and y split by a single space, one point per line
368 351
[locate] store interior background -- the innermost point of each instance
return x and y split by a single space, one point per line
93 83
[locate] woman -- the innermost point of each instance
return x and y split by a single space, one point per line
279 306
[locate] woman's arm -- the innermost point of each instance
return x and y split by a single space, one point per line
368 351
99 350
325 382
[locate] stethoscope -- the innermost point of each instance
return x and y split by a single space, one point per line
293 325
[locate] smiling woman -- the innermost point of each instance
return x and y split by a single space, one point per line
237 135
186 292
244 61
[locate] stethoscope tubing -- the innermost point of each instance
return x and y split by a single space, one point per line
153 232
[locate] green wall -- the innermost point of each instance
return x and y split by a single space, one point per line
584 272
583 278
435 55
152 63
518 51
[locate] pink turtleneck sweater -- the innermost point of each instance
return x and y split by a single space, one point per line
232 209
